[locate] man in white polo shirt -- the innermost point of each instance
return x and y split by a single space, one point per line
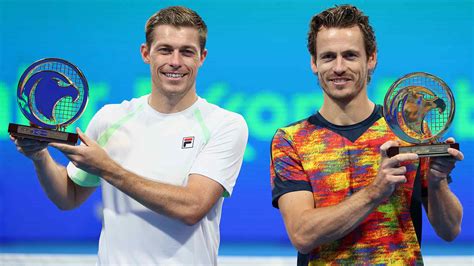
165 160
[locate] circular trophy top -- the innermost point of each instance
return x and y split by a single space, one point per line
52 93
419 107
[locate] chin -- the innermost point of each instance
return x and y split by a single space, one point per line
342 97
175 91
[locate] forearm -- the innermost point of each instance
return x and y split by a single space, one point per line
444 210
322 225
170 200
54 181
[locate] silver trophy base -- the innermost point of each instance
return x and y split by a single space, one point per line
42 134
424 150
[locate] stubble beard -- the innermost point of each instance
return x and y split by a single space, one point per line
344 98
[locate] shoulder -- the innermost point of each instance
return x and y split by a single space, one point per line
217 116
116 111
125 106
111 113
296 128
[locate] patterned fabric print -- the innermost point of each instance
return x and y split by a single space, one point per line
336 168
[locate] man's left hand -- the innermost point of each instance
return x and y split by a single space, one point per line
88 156
441 167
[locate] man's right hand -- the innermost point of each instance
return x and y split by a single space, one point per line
53 177
33 149
390 173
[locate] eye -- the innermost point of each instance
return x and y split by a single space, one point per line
164 50
61 83
188 52
351 56
327 57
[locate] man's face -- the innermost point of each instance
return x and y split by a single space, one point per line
341 62
174 57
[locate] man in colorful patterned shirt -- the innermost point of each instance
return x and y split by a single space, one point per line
342 199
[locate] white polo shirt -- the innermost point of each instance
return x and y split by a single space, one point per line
203 139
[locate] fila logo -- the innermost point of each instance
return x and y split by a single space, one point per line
188 143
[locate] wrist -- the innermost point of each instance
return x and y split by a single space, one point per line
437 182
112 173
40 156
375 193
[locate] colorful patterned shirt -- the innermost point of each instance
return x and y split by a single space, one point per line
334 162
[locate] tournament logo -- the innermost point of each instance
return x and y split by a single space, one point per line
419 108
52 93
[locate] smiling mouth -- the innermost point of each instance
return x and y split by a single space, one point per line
339 80
174 75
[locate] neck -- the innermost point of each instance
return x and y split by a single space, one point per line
168 104
345 114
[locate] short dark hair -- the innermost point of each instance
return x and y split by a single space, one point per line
344 16
178 16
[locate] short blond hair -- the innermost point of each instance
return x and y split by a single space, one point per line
178 16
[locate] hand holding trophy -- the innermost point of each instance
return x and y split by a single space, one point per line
419 108
52 94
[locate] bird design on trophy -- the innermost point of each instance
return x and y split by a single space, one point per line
52 94
416 102
51 87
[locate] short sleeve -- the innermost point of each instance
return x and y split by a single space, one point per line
222 156
286 172
81 177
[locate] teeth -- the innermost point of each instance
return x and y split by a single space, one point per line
174 75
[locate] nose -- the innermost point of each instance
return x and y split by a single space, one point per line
340 65
175 59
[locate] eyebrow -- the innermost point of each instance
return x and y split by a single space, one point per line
326 53
180 48
189 47
350 51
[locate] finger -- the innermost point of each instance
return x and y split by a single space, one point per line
437 173
457 154
396 171
397 179
401 157
399 170
30 152
65 148
30 143
30 148
443 164
442 167
450 140
84 138
73 158
386 145
443 160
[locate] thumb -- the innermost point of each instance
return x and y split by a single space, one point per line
84 138
450 140
384 148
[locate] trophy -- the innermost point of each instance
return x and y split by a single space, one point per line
419 108
52 94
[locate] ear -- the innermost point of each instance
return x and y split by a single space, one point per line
314 68
145 53
203 57
372 61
